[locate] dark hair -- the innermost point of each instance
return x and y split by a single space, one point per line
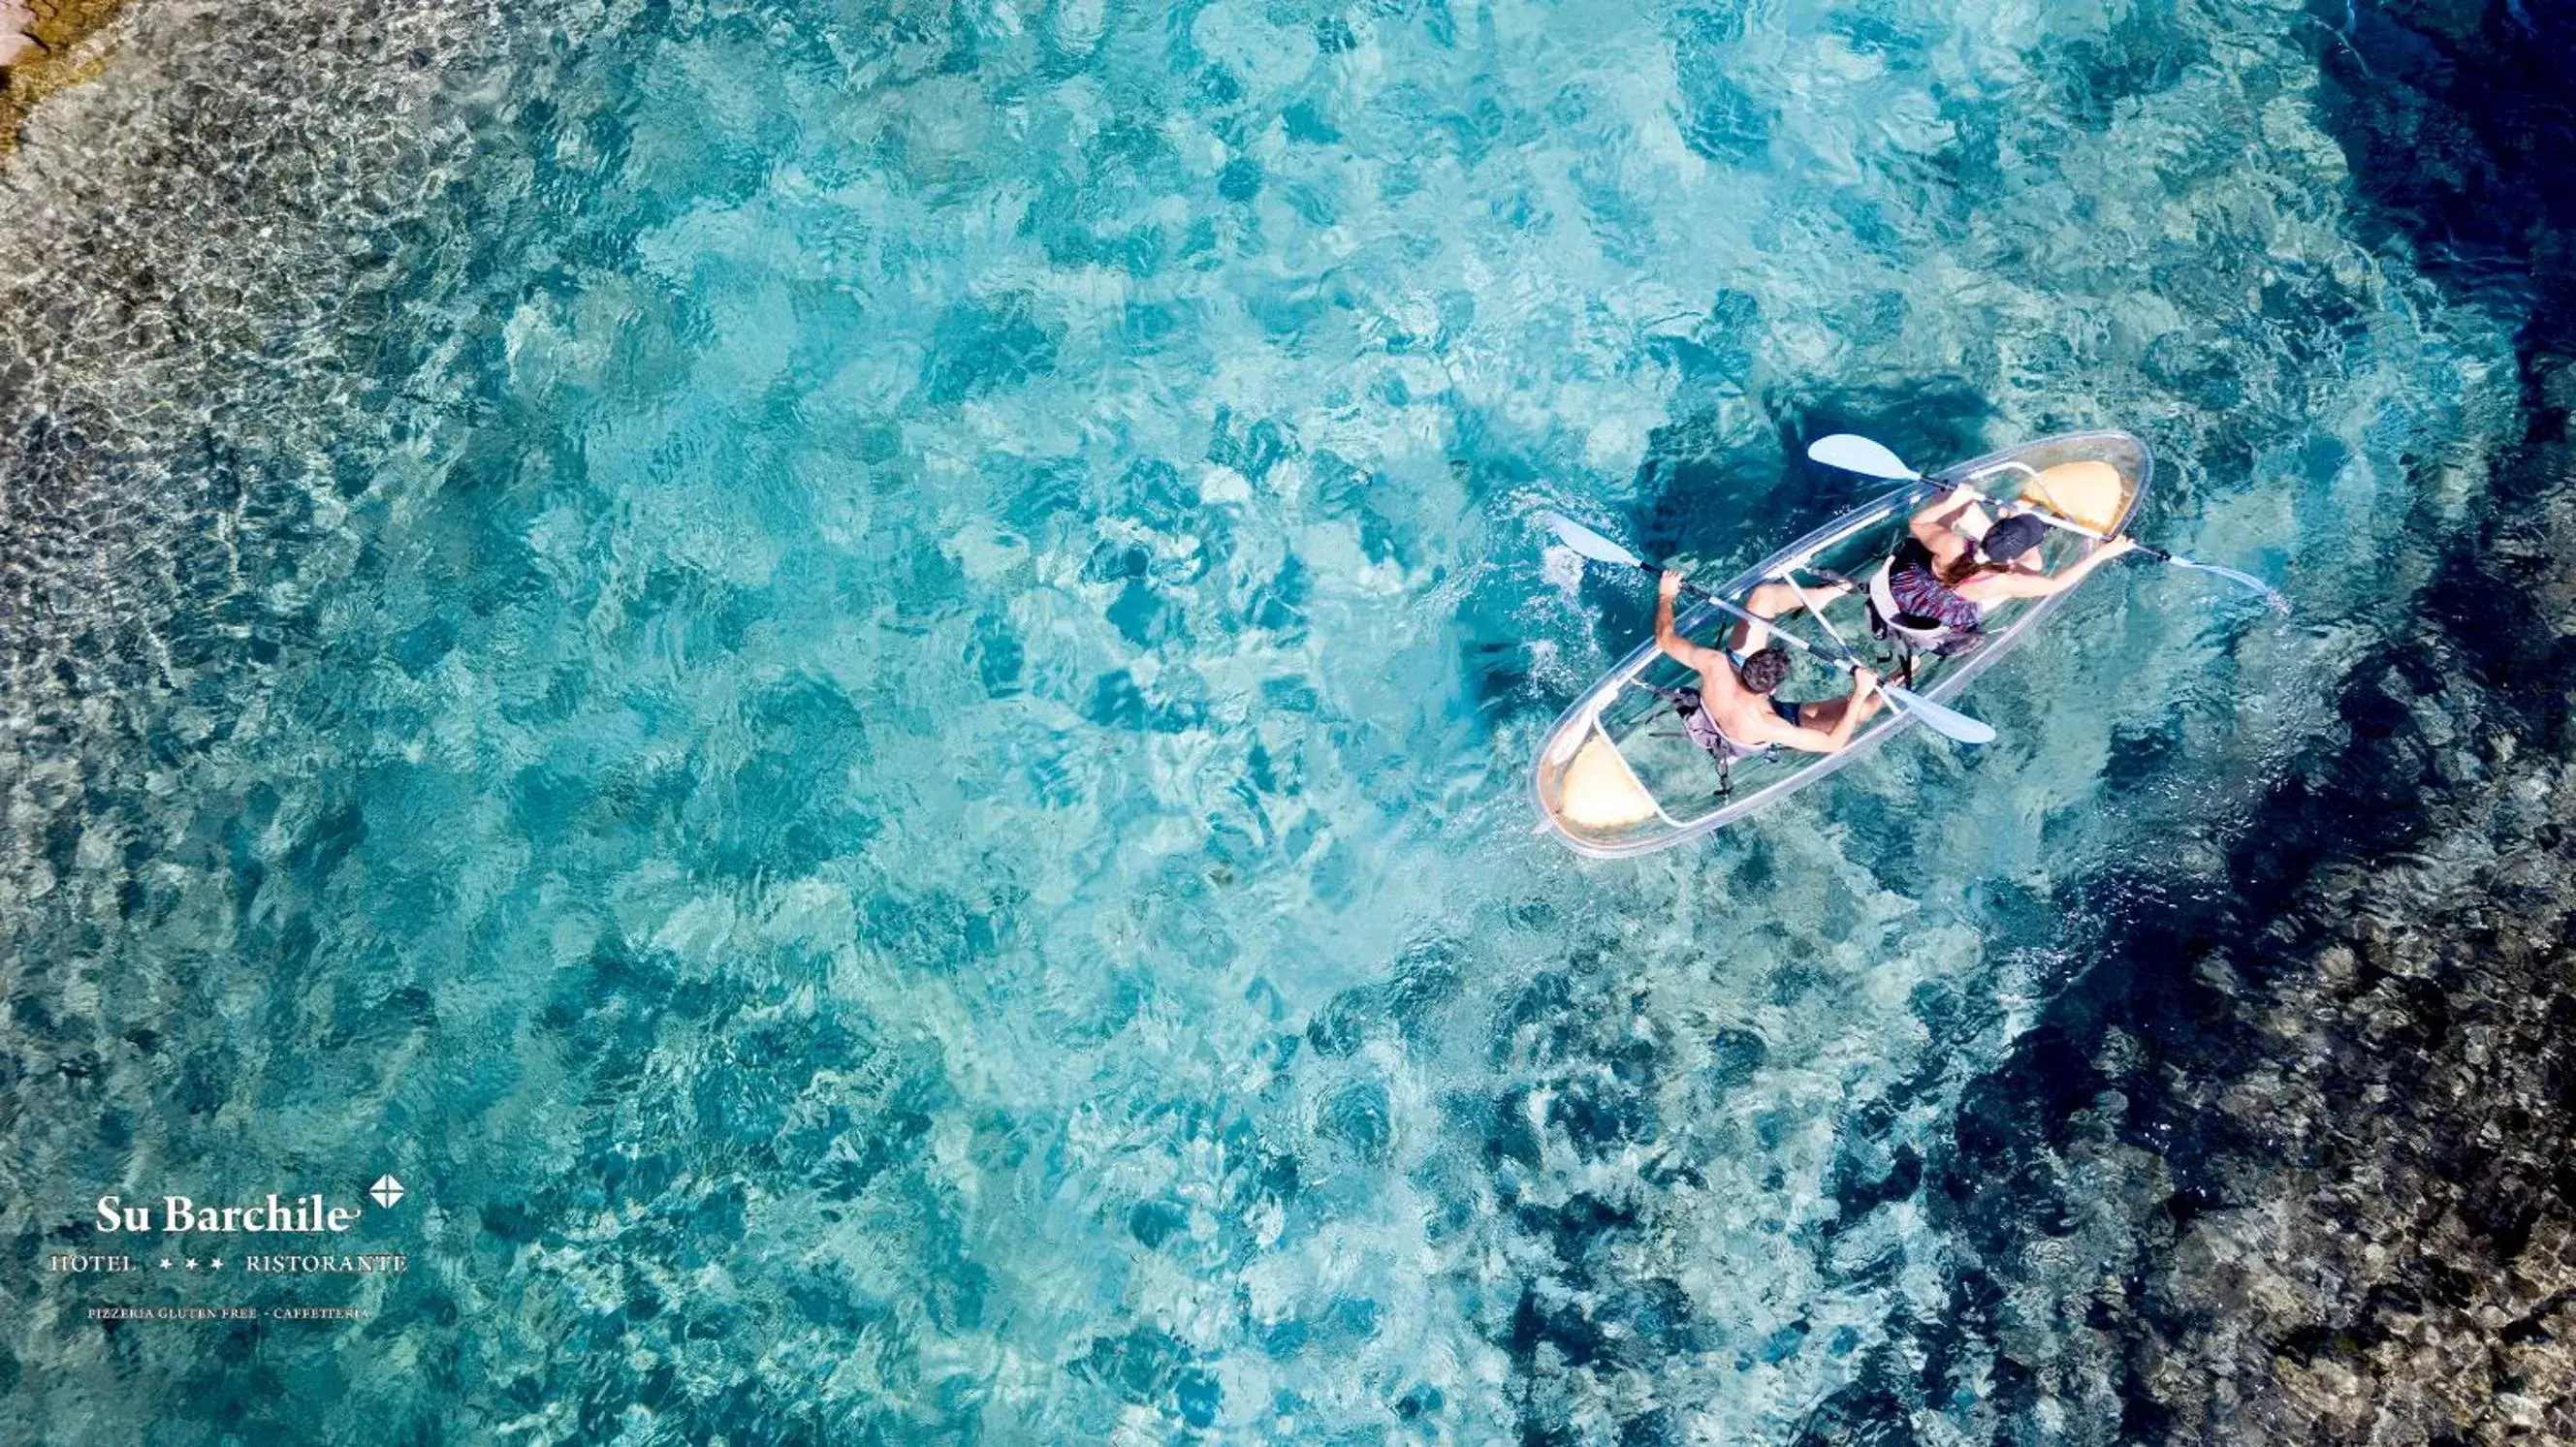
2012 537
1764 671
2008 539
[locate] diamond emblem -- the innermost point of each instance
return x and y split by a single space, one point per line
386 1191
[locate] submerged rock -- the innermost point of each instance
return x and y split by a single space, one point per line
2294 1164
2298 1163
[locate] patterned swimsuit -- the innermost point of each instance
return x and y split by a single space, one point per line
1918 589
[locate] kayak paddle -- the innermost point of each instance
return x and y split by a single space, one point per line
1851 453
1948 722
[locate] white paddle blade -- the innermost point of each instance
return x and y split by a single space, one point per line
2272 598
1854 453
1587 542
1942 720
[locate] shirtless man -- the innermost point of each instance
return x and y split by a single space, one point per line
1733 714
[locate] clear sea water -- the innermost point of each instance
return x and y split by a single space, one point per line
858 680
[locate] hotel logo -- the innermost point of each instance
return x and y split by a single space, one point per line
303 1216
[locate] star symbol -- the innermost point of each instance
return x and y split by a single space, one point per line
192 1263
216 1264
165 1263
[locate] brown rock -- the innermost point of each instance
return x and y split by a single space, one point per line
46 45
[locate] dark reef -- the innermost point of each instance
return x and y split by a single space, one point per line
2292 1163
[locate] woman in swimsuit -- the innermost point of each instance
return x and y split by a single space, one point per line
1954 564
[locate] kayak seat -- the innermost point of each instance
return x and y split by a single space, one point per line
1887 620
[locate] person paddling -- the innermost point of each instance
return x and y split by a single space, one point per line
1954 565
1732 714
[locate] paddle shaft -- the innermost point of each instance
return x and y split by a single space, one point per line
2061 524
1827 624
1902 696
1938 717
1766 625
2271 594
1852 453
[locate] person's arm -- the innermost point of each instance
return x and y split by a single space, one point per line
1953 514
1677 648
2040 585
1864 702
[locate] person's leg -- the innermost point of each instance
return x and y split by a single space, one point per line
1823 713
1829 588
1768 601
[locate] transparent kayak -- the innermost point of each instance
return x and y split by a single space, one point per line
1619 777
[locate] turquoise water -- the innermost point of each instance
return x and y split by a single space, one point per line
858 682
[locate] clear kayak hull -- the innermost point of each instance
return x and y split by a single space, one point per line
1617 777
